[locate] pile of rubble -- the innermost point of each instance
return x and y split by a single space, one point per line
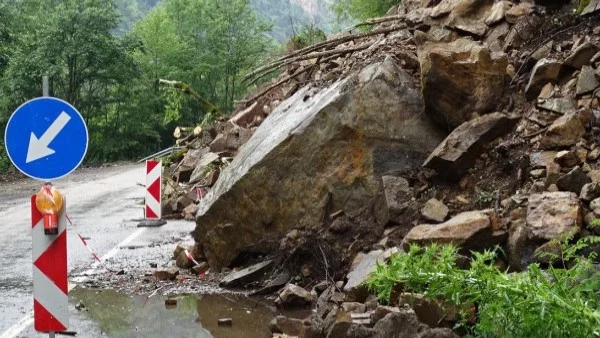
470 122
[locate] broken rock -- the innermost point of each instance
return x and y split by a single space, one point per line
459 151
320 148
397 205
473 230
553 215
587 81
460 79
165 275
544 71
581 55
573 181
567 130
435 211
246 276
355 288
293 296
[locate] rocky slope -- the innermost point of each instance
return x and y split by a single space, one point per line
470 122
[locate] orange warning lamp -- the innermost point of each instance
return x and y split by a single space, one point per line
49 202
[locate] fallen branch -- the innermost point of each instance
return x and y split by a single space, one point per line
184 87
376 21
288 78
324 44
277 65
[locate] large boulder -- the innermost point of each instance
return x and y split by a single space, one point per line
453 157
553 215
320 150
460 79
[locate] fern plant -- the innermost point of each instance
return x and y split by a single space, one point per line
556 302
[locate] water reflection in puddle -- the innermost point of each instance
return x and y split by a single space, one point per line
193 316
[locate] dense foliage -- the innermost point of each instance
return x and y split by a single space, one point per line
362 9
557 302
112 75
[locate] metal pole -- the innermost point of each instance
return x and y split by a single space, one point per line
45 86
46 93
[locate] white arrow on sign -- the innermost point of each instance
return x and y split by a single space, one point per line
38 148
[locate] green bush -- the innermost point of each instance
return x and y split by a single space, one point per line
556 302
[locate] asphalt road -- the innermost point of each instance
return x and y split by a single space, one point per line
103 205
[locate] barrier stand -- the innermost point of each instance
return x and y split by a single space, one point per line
153 200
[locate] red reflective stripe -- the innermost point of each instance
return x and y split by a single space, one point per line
53 262
154 189
44 320
151 165
150 213
36 215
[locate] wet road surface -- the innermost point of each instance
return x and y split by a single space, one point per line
104 206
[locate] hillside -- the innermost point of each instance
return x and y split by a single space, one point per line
287 16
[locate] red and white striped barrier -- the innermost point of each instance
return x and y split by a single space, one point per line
50 283
153 189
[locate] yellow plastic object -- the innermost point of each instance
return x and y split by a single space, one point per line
49 200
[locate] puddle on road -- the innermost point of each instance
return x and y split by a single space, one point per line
195 316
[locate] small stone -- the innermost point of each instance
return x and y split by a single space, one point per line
164 275
552 188
594 175
381 311
581 154
538 173
153 265
590 191
594 154
435 211
567 159
200 268
582 55
546 252
595 206
561 105
573 181
225 322
288 326
552 174
354 307
547 92
587 81
293 296
586 168
537 187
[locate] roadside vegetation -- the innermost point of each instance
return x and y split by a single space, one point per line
560 301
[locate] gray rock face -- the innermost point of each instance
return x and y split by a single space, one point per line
318 151
453 157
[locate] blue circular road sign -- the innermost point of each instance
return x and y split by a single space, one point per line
46 138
